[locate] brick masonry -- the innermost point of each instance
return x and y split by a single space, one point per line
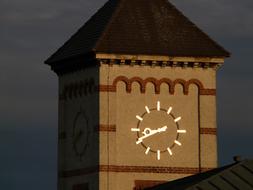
84 88
131 169
208 131
113 128
157 83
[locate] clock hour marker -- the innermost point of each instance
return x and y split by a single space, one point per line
169 110
139 117
158 155
177 119
178 143
147 151
169 150
135 129
181 131
139 141
147 109
158 106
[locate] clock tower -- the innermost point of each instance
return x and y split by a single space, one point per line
137 98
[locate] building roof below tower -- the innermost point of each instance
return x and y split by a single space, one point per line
237 176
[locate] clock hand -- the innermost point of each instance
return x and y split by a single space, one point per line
148 132
162 129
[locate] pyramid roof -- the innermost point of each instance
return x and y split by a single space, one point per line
139 27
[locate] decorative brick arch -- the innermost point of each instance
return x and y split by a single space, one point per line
169 82
154 82
122 79
183 83
157 84
79 89
140 82
194 82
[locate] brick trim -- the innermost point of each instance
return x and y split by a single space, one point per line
78 89
131 169
107 88
107 128
208 131
208 92
148 169
112 128
78 172
157 84
102 128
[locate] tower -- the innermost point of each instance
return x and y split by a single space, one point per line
137 98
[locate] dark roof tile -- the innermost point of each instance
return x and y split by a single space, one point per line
236 176
150 27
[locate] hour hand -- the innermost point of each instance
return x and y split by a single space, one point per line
148 132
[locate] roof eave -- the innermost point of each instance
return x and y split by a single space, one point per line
157 57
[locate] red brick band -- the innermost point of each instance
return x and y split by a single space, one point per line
112 128
107 128
157 83
78 172
131 169
208 92
102 128
208 131
107 88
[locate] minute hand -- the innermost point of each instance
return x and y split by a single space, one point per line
151 132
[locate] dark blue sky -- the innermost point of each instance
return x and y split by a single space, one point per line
31 30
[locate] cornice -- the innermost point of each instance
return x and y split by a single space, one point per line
163 61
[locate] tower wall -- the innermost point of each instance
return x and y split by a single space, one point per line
111 96
124 92
78 94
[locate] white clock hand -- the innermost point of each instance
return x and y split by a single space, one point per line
148 132
164 128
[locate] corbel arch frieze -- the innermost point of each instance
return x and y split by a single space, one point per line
158 82
79 89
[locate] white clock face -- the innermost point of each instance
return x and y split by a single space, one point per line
158 130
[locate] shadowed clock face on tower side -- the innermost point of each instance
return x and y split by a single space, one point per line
158 130
81 133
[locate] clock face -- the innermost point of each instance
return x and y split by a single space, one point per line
81 134
158 130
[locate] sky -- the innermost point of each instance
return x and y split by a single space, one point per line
31 30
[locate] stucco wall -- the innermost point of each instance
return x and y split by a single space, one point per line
111 113
78 93
120 108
